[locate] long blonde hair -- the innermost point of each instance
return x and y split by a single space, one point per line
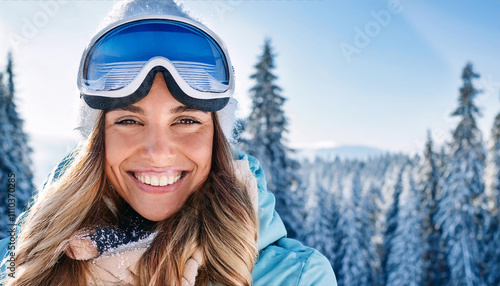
218 219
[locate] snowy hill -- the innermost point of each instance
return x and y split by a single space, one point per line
343 152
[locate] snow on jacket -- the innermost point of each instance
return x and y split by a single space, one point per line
281 260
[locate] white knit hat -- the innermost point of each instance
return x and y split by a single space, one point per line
132 8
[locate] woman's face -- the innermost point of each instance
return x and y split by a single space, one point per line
158 152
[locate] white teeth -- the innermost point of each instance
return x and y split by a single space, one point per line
155 181
163 181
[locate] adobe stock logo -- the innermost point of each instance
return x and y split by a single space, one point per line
371 29
31 26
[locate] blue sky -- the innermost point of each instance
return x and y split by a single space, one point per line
402 80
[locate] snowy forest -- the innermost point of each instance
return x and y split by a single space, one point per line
392 219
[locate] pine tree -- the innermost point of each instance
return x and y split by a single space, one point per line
370 205
428 182
354 264
492 251
492 170
14 150
4 159
462 187
492 189
405 260
391 227
264 139
322 216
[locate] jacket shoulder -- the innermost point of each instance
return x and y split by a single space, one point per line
288 262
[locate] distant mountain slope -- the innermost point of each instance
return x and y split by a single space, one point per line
343 152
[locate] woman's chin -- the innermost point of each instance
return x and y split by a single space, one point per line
152 214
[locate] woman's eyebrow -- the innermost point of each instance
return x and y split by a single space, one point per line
132 108
184 108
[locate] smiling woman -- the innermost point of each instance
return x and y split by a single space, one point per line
155 195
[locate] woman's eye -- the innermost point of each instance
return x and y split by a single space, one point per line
187 121
127 122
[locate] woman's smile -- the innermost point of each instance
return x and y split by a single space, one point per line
158 152
158 182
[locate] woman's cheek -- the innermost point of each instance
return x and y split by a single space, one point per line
117 147
119 142
202 147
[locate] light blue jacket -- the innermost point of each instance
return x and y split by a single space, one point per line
282 261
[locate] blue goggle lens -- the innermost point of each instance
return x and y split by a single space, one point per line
120 55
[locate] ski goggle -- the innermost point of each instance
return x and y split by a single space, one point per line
119 65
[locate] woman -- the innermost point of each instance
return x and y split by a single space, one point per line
153 196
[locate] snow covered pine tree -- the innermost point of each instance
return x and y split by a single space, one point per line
391 227
14 151
434 263
354 265
462 188
492 190
322 207
405 258
263 138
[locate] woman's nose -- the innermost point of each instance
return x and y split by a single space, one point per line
159 143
